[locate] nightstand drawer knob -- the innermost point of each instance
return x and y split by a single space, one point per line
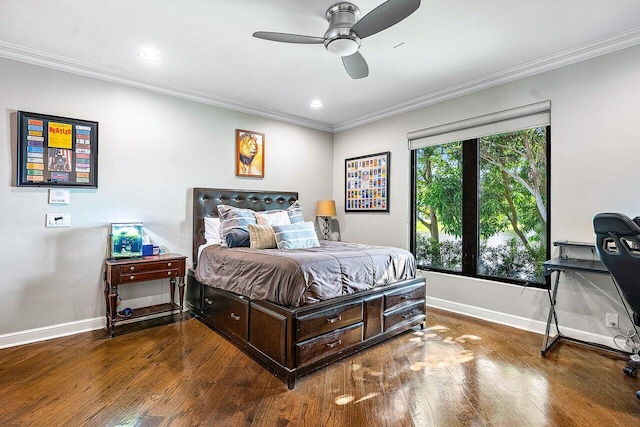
132 268
235 316
132 277
168 264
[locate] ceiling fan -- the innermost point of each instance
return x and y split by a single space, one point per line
346 31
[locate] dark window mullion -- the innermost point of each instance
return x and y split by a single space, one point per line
470 220
414 177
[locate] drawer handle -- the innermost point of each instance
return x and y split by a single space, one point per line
132 268
168 273
334 319
208 301
334 344
132 277
407 315
234 316
405 297
168 264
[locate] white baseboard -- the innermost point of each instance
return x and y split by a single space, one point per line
518 322
48 332
536 326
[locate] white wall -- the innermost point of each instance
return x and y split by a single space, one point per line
595 146
153 149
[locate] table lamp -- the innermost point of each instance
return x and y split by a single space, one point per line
325 209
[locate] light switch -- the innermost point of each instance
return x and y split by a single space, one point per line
58 220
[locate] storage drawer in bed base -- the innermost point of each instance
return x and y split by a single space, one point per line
291 342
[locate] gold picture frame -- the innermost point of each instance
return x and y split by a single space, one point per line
249 153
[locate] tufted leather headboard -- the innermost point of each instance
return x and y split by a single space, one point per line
206 201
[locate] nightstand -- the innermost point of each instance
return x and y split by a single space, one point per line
120 272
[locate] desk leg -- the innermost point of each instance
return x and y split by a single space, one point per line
113 304
172 288
107 305
546 346
181 293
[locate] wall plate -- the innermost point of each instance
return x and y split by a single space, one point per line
58 220
58 197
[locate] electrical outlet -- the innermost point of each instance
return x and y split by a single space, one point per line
611 320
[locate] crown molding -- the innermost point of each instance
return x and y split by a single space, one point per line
552 62
558 60
60 63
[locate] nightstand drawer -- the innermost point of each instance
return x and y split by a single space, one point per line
153 275
149 266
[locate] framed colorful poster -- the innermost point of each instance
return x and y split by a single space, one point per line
56 151
367 183
249 153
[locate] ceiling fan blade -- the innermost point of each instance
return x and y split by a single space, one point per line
288 38
355 65
382 17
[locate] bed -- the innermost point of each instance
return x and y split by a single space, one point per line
295 332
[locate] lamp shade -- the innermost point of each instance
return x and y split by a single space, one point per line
326 208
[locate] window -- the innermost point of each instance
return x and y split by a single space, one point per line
481 204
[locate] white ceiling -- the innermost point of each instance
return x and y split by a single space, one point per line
445 49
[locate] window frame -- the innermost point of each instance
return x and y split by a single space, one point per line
471 213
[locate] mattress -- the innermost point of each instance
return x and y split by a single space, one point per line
295 277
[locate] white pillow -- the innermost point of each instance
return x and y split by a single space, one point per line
212 231
272 218
261 237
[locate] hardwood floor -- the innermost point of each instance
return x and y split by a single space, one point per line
458 372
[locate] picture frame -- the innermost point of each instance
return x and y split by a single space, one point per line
56 151
126 240
367 183
250 153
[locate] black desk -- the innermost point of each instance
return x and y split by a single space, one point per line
564 263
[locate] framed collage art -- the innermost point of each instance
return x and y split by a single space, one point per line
56 151
367 183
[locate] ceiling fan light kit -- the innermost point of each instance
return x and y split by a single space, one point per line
339 38
346 31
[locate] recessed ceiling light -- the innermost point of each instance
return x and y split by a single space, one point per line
316 103
149 55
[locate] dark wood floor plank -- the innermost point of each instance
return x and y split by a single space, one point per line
458 372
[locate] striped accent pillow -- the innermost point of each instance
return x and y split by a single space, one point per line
296 236
295 213
261 237
231 217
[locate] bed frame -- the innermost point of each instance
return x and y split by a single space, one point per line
293 341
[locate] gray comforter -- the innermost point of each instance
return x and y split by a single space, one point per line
302 276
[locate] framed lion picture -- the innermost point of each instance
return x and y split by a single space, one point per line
249 153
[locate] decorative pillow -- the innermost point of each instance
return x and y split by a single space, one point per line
273 218
295 213
296 236
231 217
261 237
237 238
212 230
